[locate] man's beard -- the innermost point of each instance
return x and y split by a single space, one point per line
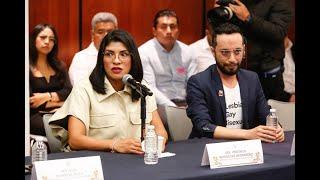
228 71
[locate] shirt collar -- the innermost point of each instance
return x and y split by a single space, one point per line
92 49
159 46
110 90
205 44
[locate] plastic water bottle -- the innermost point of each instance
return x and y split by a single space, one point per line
151 146
272 119
39 150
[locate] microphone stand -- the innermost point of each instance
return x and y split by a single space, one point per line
143 93
143 116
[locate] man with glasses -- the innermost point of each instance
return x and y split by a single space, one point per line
226 101
264 24
84 61
167 62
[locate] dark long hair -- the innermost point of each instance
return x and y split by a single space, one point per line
56 65
98 74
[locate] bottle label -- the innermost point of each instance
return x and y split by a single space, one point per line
40 145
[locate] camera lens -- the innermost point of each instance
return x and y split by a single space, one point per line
224 2
219 15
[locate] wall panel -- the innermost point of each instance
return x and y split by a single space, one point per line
64 16
292 31
136 17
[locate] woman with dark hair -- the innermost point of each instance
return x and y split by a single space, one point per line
49 81
103 113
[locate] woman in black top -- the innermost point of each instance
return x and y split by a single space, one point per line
49 81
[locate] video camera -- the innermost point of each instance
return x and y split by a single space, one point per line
225 2
222 13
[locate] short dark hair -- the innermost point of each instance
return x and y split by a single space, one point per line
164 12
225 28
98 74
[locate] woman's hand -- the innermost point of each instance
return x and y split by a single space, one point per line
128 146
38 99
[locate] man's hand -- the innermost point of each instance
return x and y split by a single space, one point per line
279 134
240 10
265 133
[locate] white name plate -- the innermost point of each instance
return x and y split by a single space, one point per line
235 153
82 168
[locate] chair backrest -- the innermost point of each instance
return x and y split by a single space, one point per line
179 124
285 112
54 143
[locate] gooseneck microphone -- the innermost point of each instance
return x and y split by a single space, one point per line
143 91
128 80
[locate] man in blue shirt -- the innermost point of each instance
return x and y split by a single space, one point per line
167 62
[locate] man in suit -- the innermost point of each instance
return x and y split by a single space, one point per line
225 101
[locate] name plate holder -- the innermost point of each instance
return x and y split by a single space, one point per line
235 153
82 168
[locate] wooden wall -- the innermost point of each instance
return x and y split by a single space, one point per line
64 16
292 31
72 19
136 17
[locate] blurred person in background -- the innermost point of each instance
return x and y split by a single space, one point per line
167 62
48 79
203 52
84 61
289 70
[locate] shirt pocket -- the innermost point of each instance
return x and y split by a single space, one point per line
135 118
103 121
104 126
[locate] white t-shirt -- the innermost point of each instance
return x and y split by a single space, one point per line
234 107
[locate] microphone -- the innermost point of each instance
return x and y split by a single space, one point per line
128 80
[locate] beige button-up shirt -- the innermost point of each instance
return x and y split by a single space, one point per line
105 116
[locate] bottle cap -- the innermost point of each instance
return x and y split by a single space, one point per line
273 110
40 138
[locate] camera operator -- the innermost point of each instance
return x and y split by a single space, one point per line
265 24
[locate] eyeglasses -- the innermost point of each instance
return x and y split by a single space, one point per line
122 55
227 53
